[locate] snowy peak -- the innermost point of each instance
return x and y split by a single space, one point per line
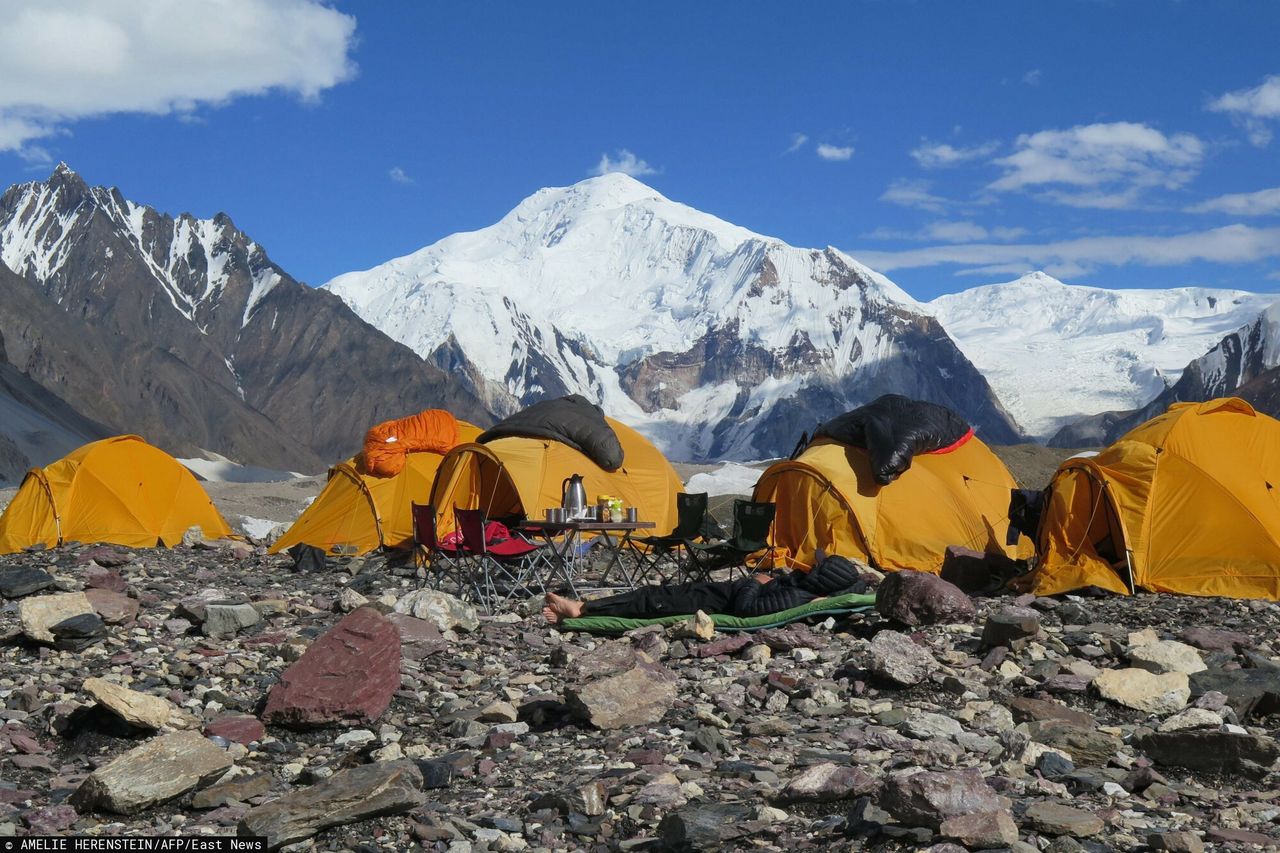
1056 352
689 326
198 263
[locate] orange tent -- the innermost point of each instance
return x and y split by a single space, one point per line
828 498
1187 503
119 490
357 511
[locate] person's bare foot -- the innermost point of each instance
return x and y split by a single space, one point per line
558 607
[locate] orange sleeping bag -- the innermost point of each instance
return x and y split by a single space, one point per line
387 444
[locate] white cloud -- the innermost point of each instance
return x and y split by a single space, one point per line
914 193
1032 77
1252 107
1111 165
959 231
798 141
627 163
399 175
63 60
835 152
1230 245
1258 203
938 155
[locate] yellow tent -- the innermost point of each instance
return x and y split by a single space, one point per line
119 490
827 498
524 476
358 512
1184 503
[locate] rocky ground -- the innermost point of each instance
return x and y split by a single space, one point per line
210 689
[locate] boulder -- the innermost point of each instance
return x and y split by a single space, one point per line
237 728
115 608
367 791
96 577
23 580
1026 710
703 827
37 615
1057 819
1011 626
1085 745
1213 640
224 621
1208 750
1192 718
1249 692
78 632
918 598
981 829
1167 656
137 709
1144 691
444 611
237 790
348 675
1175 842
897 658
418 637
827 782
929 798
638 696
158 770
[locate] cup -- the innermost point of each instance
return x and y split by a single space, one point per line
557 515
551 514
633 514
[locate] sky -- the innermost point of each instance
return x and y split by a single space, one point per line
1122 144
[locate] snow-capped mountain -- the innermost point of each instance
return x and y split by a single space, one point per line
1243 362
184 330
718 342
1058 352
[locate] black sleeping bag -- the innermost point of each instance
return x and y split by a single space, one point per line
892 429
572 420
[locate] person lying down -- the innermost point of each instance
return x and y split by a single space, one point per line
757 595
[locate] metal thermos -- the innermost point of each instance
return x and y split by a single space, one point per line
573 497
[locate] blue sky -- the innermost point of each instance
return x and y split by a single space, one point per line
1112 143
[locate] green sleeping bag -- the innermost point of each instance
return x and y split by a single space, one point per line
837 605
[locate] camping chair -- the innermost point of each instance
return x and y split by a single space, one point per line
497 571
691 526
439 563
752 522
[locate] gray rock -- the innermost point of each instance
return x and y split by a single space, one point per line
158 770
981 829
23 580
1209 750
440 609
370 790
1057 819
1176 842
79 632
918 598
703 827
635 697
897 658
930 798
1009 627
827 782
226 620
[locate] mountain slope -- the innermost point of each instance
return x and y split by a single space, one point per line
1241 362
717 342
35 425
222 349
1056 353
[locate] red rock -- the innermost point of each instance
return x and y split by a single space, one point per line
240 728
114 607
105 579
917 598
348 675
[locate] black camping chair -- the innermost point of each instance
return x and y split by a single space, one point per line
752 521
438 565
691 526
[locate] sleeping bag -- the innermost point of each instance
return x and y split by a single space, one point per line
387 444
893 428
572 420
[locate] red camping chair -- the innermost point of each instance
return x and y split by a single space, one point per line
497 571
439 564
